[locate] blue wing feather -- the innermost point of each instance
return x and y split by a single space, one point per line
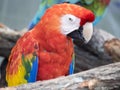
72 65
34 70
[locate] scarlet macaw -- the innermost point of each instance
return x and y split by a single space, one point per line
45 52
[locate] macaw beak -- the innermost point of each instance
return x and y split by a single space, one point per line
77 35
82 34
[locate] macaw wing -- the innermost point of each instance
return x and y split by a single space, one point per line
31 68
23 62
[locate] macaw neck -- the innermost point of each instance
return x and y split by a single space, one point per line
51 39
37 34
42 31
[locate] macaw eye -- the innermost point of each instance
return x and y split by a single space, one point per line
71 18
69 23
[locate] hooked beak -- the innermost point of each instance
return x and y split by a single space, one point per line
82 34
77 35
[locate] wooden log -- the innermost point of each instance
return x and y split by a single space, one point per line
101 78
8 38
112 47
97 52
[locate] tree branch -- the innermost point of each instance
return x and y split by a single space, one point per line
8 38
101 78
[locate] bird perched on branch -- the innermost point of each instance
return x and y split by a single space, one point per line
45 52
98 7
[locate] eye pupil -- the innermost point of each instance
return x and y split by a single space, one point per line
70 19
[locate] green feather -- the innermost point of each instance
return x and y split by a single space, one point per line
27 64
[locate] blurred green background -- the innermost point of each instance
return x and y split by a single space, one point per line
17 14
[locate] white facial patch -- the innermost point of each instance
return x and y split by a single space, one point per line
87 31
69 23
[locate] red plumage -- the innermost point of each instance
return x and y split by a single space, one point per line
54 49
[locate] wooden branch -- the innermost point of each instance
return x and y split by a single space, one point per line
97 52
113 49
101 78
8 38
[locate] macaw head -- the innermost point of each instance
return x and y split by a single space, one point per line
70 20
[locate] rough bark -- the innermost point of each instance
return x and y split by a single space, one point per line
8 38
101 78
102 49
